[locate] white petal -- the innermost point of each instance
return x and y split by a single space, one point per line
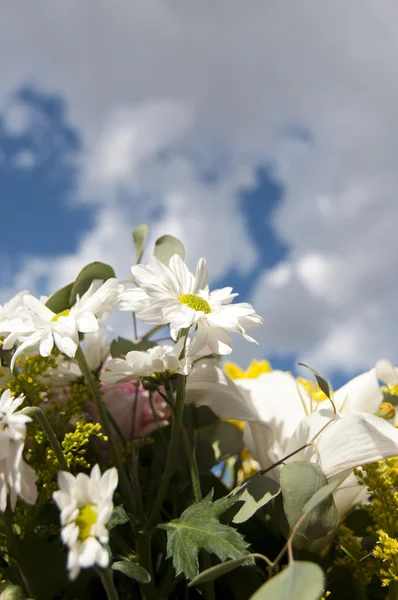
356 440
46 345
361 393
386 371
87 323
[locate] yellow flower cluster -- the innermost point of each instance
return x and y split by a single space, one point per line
30 379
351 554
382 481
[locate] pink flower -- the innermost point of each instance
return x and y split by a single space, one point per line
130 407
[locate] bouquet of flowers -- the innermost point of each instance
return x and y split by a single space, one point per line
147 468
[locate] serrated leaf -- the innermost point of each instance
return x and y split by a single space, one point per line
89 273
60 300
301 580
166 246
132 570
217 571
140 235
255 493
300 480
121 346
118 517
199 528
322 383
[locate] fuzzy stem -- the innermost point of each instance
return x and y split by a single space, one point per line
106 577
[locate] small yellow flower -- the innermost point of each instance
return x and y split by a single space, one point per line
254 370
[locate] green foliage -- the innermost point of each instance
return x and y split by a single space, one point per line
255 493
89 273
322 383
132 570
217 571
121 346
199 528
119 517
61 299
140 235
166 246
300 480
301 580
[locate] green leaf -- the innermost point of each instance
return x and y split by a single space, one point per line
255 493
226 438
60 300
323 384
320 496
166 246
95 270
301 580
217 571
118 517
132 570
121 346
300 480
199 528
140 235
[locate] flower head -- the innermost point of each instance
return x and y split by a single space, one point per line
86 506
15 475
183 300
36 326
155 362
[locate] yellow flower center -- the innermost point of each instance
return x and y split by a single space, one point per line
386 411
254 370
391 389
195 302
64 313
313 390
86 518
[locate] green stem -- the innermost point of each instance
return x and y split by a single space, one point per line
168 470
104 420
153 330
13 543
193 466
36 413
106 576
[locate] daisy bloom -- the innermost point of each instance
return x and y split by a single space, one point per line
157 361
15 475
39 327
183 300
86 506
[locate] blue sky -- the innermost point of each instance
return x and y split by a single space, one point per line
274 157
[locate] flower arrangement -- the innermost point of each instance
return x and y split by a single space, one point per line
135 468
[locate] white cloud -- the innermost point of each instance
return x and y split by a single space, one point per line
162 92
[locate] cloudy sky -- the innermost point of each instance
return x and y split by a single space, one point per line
264 134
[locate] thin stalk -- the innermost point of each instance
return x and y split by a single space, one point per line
106 576
36 413
104 420
135 326
193 466
13 542
171 454
153 330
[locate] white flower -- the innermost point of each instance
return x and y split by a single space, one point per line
133 299
155 361
178 298
15 475
39 327
86 506
279 422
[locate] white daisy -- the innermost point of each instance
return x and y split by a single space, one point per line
16 476
178 298
39 327
86 506
153 362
